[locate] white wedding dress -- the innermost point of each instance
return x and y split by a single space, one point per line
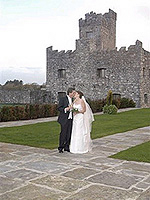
80 138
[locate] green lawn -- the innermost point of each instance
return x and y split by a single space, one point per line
46 135
138 153
121 122
43 135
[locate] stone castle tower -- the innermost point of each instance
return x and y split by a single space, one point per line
96 66
98 31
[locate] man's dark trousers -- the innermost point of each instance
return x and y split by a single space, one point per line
66 124
65 135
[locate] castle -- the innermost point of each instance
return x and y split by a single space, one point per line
96 66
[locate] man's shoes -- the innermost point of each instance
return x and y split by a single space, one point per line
68 150
60 151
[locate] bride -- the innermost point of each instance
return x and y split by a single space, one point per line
80 139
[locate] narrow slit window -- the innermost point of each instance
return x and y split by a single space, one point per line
61 73
101 72
145 98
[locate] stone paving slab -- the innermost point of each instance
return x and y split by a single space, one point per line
113 179
8 184
61 183
80 173
30 173
145 195
33 192
97 192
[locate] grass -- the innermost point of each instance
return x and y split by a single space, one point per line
138 153
46 135
121 122
43 135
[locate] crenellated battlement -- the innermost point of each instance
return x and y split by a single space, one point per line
132 48
99 29
56 53
92 17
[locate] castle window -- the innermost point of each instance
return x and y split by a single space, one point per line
116 96
61 73
89 34
145 98
101 72
144 72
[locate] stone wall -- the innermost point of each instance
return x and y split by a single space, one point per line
14 96
99 30
122 72
145 79
95 70
24 96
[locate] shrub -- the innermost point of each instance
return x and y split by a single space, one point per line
116 102
41 111
97 106
53 110
47 110
7 114
110 109
126 103
33 112
27 111
109 97
132 104
19 112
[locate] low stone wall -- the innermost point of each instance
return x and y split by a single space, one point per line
24 96
15 96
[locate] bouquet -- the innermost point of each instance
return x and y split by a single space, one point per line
75 110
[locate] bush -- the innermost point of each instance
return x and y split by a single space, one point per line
41 111
132 104
7 113
29 111
126 103
97 106
33 112
53 110
47 110
19 112
116 102
110 109
109 97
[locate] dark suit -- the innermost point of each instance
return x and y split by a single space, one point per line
66 124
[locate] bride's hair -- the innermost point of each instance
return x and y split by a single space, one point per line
80 94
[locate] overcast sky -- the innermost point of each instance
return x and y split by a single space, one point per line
28 27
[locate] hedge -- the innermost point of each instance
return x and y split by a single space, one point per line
34 111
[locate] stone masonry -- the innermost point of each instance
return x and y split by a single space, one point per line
96 66
8 96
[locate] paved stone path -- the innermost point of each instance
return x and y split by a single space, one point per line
29 173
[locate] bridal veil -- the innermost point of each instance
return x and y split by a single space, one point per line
88 117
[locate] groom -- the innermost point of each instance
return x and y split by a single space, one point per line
65 120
